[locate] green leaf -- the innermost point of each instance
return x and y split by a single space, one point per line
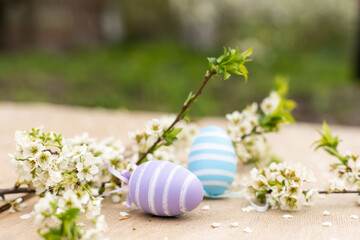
52 234
184 115
247 52
231 62
244 71
274 183
188 99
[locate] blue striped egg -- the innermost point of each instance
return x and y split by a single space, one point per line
164 188
213 160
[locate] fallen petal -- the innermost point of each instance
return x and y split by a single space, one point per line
248 230
215 225
234 224
206 207
287 216
327 224
247 209
25 216
124 214
326 213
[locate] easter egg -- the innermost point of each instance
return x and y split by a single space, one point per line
213 160
164 188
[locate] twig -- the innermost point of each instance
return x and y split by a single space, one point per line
185 106
15 190
52 152
24 198
253 131
339 192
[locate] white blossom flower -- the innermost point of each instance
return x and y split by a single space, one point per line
44 159
43 206
234 117
271 103
101 224
335 184
245 127
154 127
69 200
93 208
32 148
311 196
87 167
260 182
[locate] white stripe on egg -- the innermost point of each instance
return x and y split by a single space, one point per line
152 187
183 192
212 156
166 190
215 183
137 191
214 172
205 146
213 134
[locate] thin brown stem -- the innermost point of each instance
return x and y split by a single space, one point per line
339 192
15 190
52 152
179 116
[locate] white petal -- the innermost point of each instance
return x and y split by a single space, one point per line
248 230
215 224
25 216
206 207
327 224
326 213
354 216
124 214
287 216
247 209
234 224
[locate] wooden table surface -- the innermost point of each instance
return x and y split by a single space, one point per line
291 144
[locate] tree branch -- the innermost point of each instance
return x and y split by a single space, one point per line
185 106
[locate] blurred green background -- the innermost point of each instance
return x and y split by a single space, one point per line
148 55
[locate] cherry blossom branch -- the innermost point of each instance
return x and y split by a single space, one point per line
179 116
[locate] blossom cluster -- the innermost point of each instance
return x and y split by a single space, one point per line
59 168
65 215
346 169
48 161
174 146
281 186
247 128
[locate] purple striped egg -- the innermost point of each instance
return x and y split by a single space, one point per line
164 188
